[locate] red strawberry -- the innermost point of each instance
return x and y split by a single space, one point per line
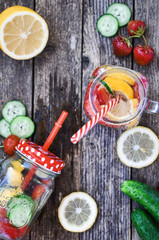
121 46
136 27
87 107
143 54
10 143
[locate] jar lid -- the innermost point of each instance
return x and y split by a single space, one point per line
43 158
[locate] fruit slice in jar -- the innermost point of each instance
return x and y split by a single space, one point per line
121 11
123 110
102 95
20 210
22 126
107 25
124 77
120 87
138 147
14 177
13 109
7 193
4 128
24 33
77 212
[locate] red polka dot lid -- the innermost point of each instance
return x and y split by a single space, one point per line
36 154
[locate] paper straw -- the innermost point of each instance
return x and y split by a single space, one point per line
84 130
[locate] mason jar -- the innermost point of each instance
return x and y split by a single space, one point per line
26 182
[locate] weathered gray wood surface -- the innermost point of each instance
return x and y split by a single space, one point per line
56 80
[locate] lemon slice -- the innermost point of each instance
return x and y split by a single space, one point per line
14 177
77 212
120 86
123 110
23 32
138 147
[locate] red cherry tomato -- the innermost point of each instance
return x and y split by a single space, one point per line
10 143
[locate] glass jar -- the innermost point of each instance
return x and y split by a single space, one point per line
26 182
139 85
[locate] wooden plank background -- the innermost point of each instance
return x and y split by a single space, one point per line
56 80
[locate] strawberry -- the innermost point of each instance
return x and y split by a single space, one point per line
87 107
10 143
121 46
143 54
136 28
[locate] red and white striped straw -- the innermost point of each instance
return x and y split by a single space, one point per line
84 130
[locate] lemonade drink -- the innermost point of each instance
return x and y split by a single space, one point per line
109 81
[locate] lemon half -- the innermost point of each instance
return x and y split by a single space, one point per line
24 33
77 212
138 147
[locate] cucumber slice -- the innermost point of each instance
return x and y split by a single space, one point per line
121 11
13 109
4 128
107 25
22 126
20 210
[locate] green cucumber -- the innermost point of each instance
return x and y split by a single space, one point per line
20 210
107 25
121 11
145 227
4 128
22 126
13 109
143 195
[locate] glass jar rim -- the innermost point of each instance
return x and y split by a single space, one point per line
45 170
142 102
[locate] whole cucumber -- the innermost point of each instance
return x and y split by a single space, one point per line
144 195
145 227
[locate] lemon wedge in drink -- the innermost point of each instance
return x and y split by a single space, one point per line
23 32
77 212
123 110
120 87
138 147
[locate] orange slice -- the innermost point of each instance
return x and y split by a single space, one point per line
120 87
124 77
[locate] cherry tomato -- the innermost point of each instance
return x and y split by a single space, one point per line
10 143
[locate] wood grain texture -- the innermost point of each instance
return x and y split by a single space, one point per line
102 172
57 87
15 76
148 12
